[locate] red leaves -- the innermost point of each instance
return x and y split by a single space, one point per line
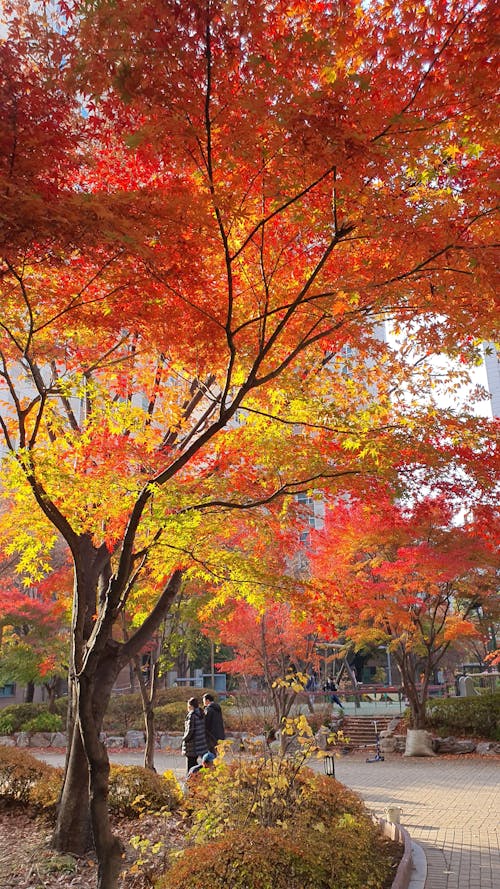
414 572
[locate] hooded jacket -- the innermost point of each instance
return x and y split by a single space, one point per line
194 740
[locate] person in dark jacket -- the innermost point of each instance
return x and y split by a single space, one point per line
332 687
194 739
214 723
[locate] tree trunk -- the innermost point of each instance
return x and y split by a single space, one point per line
95 663
418 710
417 701
51 691
148 700
29 694
93 701
149 751
73 832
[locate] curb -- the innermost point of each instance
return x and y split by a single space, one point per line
412 869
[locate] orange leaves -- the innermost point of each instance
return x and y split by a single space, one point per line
210 210
412 574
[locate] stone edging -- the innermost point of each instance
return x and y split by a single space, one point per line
400 835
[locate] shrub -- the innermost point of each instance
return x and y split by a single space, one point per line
267 792
43 722
44 795
478 715
180 693
134 790
170 717
17 714
15 717
344 855
19 774
260 858
125 711
7 723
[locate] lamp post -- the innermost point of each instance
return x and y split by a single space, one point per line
329 765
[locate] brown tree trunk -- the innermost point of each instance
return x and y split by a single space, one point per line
92 705
417 700
29 694
73 832
149 750
148 699
96 661
51 689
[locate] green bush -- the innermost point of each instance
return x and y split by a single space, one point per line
7 723
16 717
170 717
478 715
17 714
134 790
43 722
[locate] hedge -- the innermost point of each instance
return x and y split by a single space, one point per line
478 715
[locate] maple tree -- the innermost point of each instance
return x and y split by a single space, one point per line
273 645
207 205
406 576
33 630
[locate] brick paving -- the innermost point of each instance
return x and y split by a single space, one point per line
450 807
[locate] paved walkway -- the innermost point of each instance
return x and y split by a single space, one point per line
450 807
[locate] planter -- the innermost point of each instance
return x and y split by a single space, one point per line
405 867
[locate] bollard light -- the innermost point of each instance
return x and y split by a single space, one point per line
329 765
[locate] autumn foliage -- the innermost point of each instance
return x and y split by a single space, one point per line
407 575
209 211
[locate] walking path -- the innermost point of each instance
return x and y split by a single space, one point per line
450 807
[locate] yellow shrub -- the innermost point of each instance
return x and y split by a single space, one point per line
134 790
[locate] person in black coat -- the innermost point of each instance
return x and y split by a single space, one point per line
214 723
332 687
194 739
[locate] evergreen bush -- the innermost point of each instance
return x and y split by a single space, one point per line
17 717
478 715
170 717
43 722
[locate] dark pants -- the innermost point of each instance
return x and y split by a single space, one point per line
191 761
335 700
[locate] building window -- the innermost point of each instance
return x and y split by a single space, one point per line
8 691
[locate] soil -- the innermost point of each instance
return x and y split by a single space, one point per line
28 862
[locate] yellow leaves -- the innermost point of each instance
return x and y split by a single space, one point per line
329 74
451 151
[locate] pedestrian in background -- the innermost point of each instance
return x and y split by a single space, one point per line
331 687
214 722
194 739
